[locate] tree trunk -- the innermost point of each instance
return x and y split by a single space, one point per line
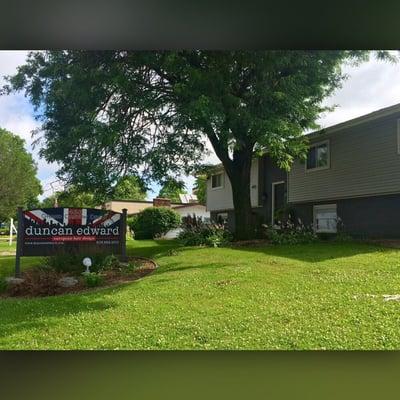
238 170
239 176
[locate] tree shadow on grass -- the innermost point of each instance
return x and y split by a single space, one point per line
316 252
152 248
182 266
312 252
18 314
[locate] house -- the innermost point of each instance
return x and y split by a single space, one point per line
134 206
351 175
192 207
184 210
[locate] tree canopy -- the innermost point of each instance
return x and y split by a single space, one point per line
71 197
110 113
19 185
171 189
130 188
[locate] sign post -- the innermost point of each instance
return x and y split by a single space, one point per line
20 233
123 235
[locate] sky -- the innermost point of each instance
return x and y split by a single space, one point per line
369 87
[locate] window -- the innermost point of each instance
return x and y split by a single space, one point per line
216 181
325 218
318 156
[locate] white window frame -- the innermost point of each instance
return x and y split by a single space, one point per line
328 161
398 136
222 181
318 207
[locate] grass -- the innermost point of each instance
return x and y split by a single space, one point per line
4 244
318 296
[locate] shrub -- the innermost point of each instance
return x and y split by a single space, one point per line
72 263
109 263
130 266
290 233
3 285
198 233
93 279
131 224
113 265
154 222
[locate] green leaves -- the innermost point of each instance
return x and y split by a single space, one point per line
110 113
154 222
171 189
130 188
19 185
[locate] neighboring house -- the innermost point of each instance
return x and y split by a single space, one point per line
184 209
219 193
352 172
192 209
133 206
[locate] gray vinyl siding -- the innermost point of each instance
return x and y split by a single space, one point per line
364 161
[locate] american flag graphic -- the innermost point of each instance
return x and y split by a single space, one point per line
75 216
106 220
72 216
40 217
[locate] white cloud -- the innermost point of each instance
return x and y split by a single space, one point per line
370 86
10 60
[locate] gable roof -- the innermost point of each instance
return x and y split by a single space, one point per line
383 112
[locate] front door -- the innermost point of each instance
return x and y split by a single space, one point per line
278 200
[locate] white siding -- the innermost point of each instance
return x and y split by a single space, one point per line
221 198
363 161
198 210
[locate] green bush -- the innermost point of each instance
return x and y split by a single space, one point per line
130 266
202 234
110 262
92 279
72 263
290 233
3 285
154 222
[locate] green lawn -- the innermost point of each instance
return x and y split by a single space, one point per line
4 244
319 296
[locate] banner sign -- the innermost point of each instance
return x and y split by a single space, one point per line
50 231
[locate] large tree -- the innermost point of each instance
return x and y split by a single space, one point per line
110 113
19 185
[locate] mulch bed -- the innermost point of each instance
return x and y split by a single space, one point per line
42 283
